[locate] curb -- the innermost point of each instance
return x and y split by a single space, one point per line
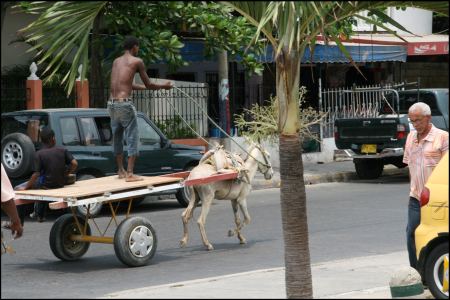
310 179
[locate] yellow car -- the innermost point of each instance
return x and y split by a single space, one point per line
432 233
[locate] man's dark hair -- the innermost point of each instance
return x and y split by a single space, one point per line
46 135
130 42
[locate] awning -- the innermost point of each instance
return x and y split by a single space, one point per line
358 52
432 44
193 51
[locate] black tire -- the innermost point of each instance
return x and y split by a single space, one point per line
17 155
60 244
94 208
182 194
135 241
434 266
368 168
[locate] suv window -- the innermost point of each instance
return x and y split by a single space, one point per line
91 136
147 135
29 125
69 131
104 129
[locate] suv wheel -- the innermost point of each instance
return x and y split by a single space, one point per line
17 155
94 208
434 270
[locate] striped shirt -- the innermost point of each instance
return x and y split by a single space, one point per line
422 157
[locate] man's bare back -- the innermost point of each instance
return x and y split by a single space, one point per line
122 75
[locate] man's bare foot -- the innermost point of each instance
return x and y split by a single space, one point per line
133 177
122 174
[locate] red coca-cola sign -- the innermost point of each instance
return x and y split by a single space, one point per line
427 48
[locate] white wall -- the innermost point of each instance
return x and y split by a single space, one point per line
15 54
418 21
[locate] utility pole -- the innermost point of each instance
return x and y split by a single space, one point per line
224 90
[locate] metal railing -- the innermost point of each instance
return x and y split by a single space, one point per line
365 102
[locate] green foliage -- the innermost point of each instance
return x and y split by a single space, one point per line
175 128
260 123
63 28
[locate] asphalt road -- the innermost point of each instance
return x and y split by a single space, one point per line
345 220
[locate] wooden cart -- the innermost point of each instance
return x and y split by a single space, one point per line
135 240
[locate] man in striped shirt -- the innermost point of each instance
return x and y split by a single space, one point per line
424 148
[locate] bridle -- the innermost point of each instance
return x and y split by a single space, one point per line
266 162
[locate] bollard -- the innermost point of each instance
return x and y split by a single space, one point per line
406 283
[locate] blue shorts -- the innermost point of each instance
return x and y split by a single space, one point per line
124 119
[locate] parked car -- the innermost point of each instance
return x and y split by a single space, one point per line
378 141
87 134
432 233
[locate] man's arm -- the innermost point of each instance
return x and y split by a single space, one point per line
9 207
30 182
73 166
147 83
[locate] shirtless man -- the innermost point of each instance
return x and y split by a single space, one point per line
120 107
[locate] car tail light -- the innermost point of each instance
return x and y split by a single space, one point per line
336 133
424 197
401 131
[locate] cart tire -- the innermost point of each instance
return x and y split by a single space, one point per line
135 241
60 244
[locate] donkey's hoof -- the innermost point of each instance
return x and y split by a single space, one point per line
230 232
242 242
183 244
210 247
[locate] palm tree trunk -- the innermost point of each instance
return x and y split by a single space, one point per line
294 219
293 196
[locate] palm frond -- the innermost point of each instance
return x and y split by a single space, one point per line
62 31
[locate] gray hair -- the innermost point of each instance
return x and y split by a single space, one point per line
421 107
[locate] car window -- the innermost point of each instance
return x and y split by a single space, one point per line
29 125
69 131
91 136
147 135
104 129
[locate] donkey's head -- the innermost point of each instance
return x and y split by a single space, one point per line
264 165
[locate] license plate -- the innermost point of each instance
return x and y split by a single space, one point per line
369 148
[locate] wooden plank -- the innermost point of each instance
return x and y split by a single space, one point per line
183 175
99 186
212 178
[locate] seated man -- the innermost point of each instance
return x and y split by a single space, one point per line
50 170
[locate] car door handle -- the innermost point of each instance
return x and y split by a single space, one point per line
96 153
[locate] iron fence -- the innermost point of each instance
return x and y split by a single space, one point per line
365 102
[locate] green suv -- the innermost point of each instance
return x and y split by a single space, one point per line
86 133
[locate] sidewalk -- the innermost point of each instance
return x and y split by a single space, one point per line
336 171
355 278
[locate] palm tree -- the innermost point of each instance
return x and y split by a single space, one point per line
291 27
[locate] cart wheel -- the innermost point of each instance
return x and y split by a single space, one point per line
135 241
60 243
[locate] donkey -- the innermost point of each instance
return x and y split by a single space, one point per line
233 190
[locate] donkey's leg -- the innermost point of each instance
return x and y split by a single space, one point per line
187 215
207 198
237 220
239 224
242 201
